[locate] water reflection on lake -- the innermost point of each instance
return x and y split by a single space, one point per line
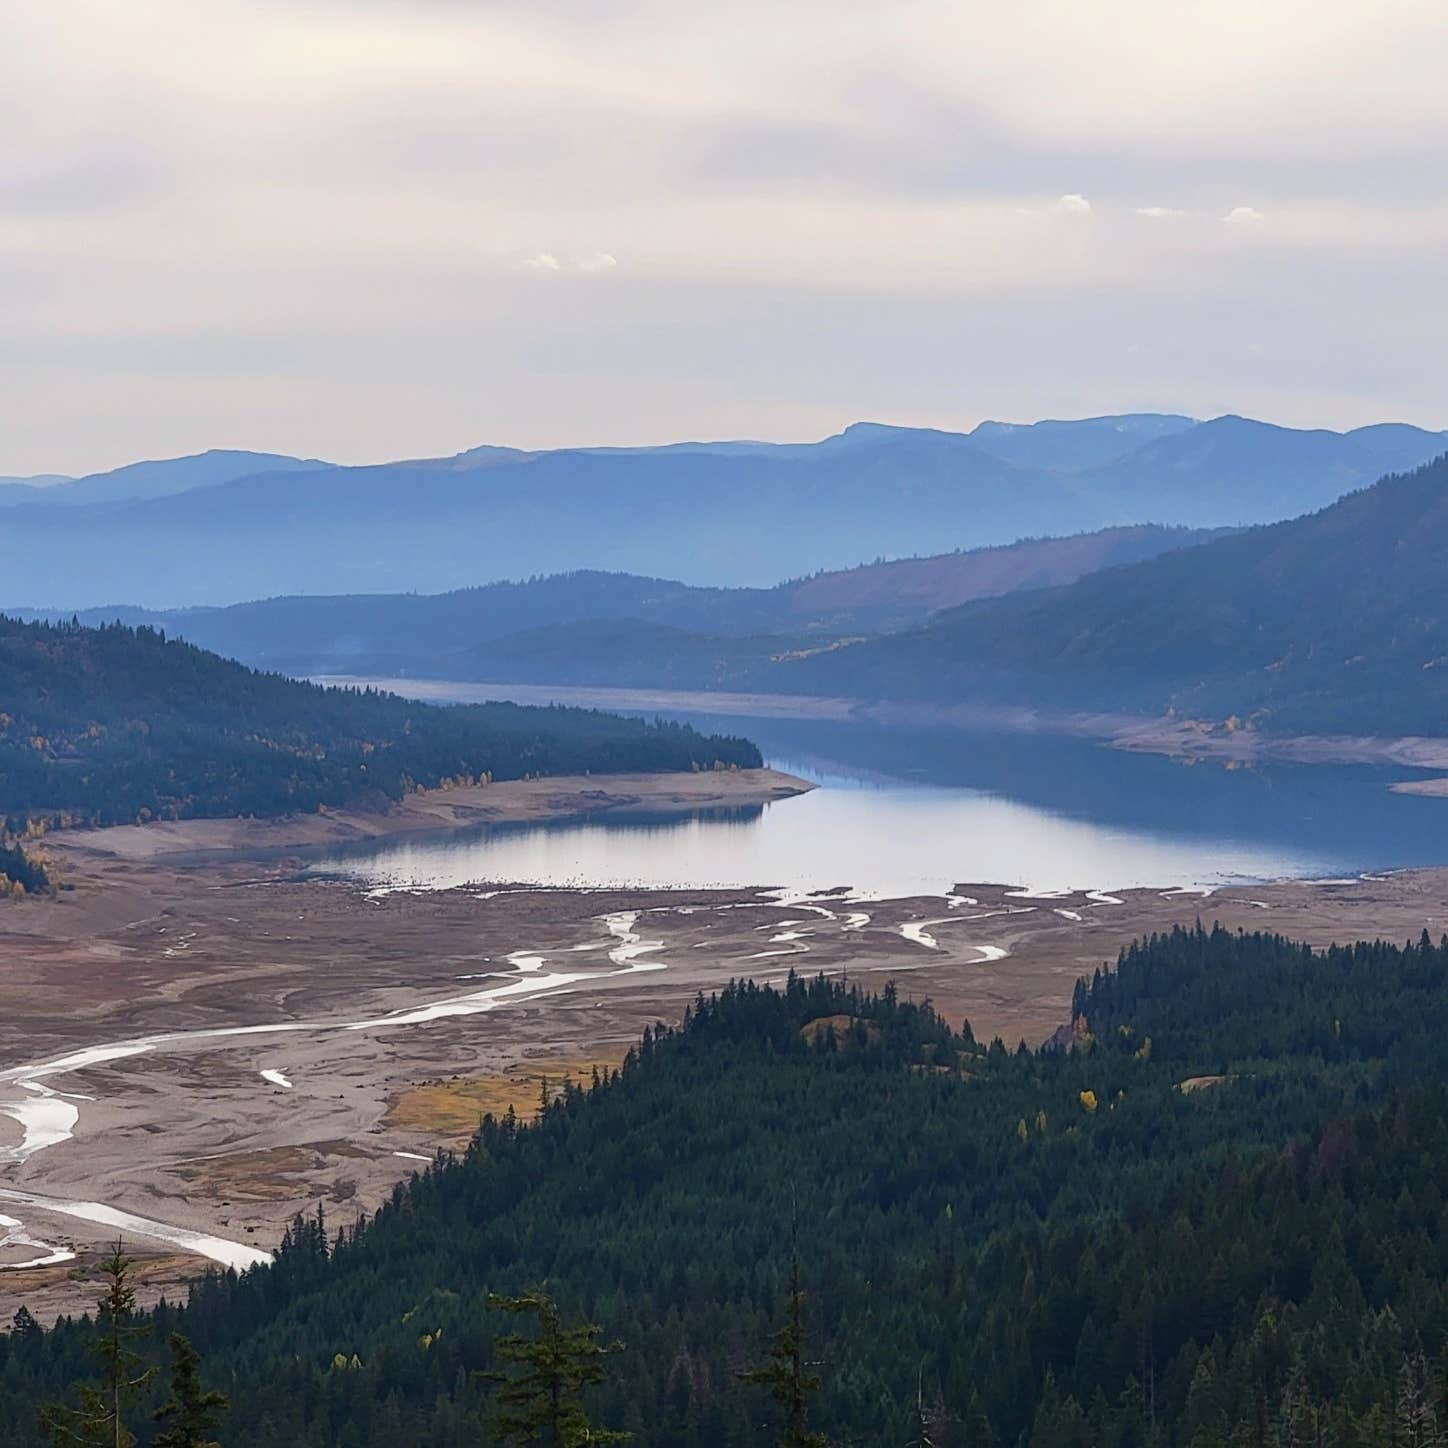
905 812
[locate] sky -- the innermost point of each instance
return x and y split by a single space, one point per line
367 229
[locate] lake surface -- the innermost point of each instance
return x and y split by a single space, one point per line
914 811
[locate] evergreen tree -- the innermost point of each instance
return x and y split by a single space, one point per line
785 1372
538 1403
99 1420
192 1411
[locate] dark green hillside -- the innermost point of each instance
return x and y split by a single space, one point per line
116 724
1335 621
1047 1249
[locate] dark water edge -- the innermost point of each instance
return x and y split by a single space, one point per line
910 811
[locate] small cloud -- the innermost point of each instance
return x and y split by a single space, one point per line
1074 204
600 261
1160 213
1243 216
543 262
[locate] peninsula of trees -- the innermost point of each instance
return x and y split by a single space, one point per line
116 724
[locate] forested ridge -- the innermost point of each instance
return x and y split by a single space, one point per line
1215 1220
1332 622
114 724
432 634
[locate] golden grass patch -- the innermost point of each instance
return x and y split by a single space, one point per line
453 1108
842 1026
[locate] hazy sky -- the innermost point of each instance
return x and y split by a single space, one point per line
377 228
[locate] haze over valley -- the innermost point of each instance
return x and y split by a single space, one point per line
234 526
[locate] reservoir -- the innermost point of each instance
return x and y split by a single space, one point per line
901 812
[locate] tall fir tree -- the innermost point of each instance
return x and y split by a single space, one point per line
786 1373
192 1412
537 1399
99 1420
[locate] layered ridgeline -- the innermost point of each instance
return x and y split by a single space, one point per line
1216 1219
150 479
1332 622
115 724
723 513
553 623
1336 621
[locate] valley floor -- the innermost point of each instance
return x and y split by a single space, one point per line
259 1040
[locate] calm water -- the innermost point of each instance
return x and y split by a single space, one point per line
906 812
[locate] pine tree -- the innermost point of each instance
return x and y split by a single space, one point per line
192 1411
786 1374
99 1420
539 1402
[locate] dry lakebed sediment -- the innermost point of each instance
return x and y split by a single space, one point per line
198 1040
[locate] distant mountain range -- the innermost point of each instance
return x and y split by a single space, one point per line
228 526
150 479
569 621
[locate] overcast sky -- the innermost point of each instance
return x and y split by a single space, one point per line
377 228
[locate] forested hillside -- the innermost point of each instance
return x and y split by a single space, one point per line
1334 621
432 633
116 724
1216 1219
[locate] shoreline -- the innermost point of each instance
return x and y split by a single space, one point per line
434 811
1184 739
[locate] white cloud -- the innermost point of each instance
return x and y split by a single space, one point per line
1074 204
1160 213
600 261
544 261
1243 216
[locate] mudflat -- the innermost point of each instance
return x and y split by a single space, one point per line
431 810
216 1041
